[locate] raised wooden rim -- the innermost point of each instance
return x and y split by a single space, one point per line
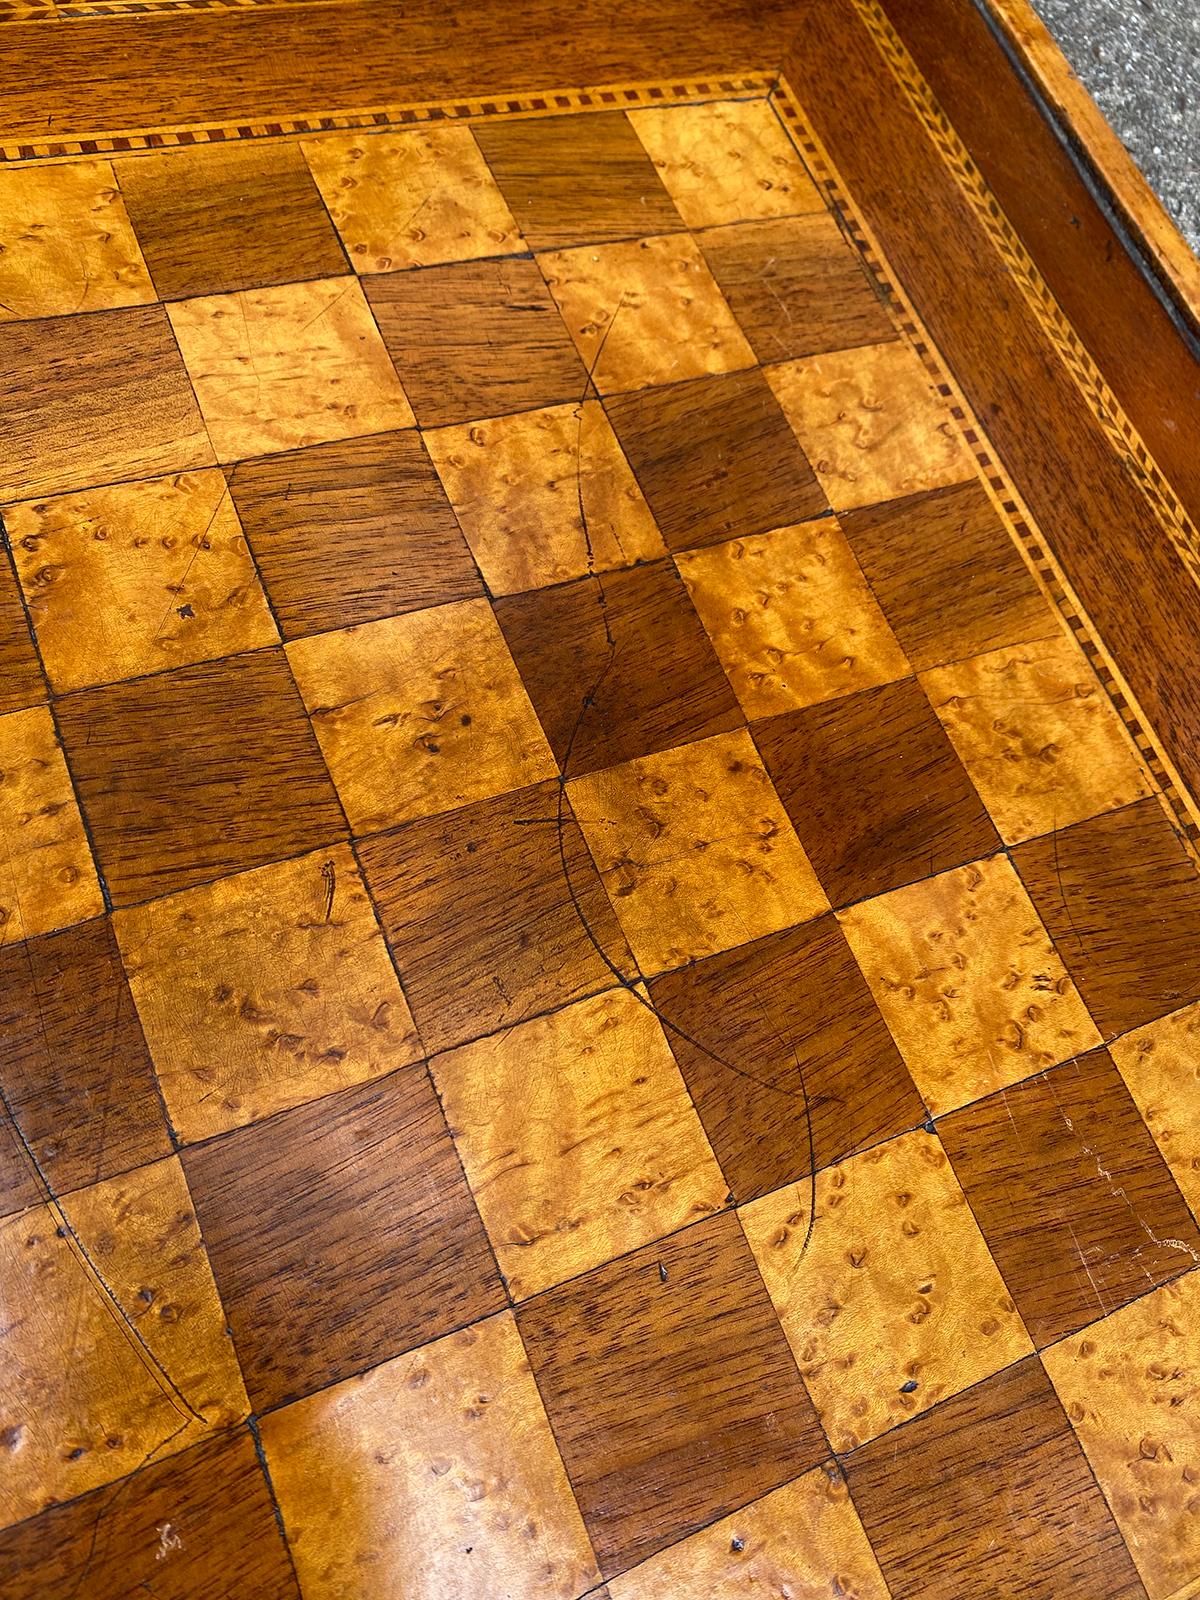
1111 167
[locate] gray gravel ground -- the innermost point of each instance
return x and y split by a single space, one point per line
1140 59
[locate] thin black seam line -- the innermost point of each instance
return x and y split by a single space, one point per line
369 127
1091 175
264 1467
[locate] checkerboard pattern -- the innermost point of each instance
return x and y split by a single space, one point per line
594 1000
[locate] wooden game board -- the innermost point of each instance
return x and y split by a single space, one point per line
599 959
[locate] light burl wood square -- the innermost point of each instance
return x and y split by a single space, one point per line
969 984
138 577
896 1303
47 878
420 713
726 162
457 1487
264 990
646 312
412 199
695 851
1160 1064
1130 1385
275 369
578 1139
118 1353
1038 736
804 1541
871 423
544 496
66 243
791 617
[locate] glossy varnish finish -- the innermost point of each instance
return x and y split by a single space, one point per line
598 976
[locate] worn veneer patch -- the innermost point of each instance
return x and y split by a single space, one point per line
892 1303
973 990
138 577
419 713
413 198
121 1344
457 1478
578 1139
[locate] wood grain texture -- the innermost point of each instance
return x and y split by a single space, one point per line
990 1495
804 266
341 1233
617 669
198 772
21 681
896 1303
419 713
228 217
1121 899
351 532
476 339
112 1375
874 790
918 550
695 851
804 1541
1040 739
670 1389
578 1139
715 458
76 1073
1130 1390
577 179
1160 1064
263 991
94 400
458 1484
791 617
486 925
67 243
871 424
279 368
412 199
138 577
968 981
773 1033
190 1526
728 162
544 496
646 312
1075 1201
48 879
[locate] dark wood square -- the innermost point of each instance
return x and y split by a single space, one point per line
990 1495
94 399
485 927
1076 1203
350 532
198 1526
577 179
670 1388
795 286
715 459
475 339
948 575
340 1234
74 1067
761 1025
658 685
192 774
21 681
875 790
228 216
1121 899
